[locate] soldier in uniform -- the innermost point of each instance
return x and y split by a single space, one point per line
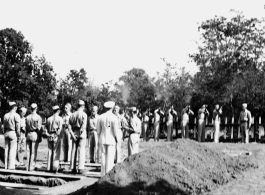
216 118
116 111
33 127
12 134
145 124
21 143
66 136
169 122
134 131
93 135
78 123
245 123
54 126
108 127
202 114
157 113
186 112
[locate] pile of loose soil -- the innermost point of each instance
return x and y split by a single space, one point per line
31 180
183 167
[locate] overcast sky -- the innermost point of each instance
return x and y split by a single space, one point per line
109 37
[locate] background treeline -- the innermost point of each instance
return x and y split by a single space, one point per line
230 58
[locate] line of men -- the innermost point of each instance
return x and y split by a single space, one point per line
151 122
70 130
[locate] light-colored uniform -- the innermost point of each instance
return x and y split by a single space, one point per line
107 127
54 126
93 138
11 123
156 125
145 124
185 122
33 126
78 122
170 119
217 119
21 142
202 113
66 137
134 138
245 123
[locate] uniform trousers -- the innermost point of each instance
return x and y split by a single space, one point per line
107 158
93 145
156 131
118 147
10 149
201 130
54 151
185 129
21 147
144 131
78 149
169 131
245 132
133 144
32 145
66 145
216 131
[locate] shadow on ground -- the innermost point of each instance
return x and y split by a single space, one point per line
161 187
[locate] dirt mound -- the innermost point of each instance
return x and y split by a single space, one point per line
183 167
41 181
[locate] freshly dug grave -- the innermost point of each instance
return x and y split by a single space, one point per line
183 167
31 180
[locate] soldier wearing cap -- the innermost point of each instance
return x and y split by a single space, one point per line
65 134
54 126
108 127
134 131
21 143
170 116
185 114
33 127
121 119
78 123
202 114
245 123
92 135
157 113
216 118
11 133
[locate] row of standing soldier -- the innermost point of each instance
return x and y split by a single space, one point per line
70 130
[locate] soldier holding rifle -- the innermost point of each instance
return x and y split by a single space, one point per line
216 118
185 115
202 114
169 122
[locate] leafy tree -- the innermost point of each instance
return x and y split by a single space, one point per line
73 87
140 89
22 78
231 61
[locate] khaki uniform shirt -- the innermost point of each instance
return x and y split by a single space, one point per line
54 124
92 123
10 120
78 120
216 115
33 122
245 116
